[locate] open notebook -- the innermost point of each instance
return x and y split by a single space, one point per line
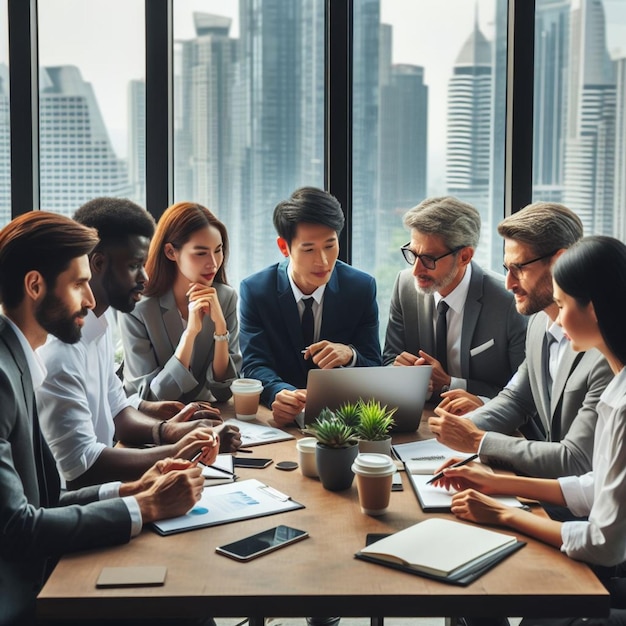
442 549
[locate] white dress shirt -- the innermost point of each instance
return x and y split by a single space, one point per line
317 308
456 301
601 493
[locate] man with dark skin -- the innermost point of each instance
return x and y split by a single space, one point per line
82 404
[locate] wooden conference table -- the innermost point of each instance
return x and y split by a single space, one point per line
317 576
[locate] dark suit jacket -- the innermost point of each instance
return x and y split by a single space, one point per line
36 524
492 336
271 336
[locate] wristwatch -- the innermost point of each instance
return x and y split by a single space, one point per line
224 337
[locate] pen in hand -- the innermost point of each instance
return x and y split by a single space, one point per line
440 475
196 457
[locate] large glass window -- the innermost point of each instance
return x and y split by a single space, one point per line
5 137
91 101
249 114
428 120
579 149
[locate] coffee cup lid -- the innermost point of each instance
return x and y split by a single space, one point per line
370 464
246 385
306 443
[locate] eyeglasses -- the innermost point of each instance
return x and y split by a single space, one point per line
518 268
428 261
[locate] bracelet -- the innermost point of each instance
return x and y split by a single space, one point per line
224 337
157 433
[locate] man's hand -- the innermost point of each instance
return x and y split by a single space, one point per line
205 410
162 410
287 404
200 439
327 355
407 359
173 493
230 437
439 376
458 433
459 401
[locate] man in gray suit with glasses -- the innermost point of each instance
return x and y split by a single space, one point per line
448 312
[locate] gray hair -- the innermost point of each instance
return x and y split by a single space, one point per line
457 222
544 226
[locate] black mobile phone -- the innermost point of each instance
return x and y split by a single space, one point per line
262 543
251 462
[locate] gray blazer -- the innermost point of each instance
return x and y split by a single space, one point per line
37 524
580 381
492 336
150 335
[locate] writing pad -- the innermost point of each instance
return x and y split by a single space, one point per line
144 576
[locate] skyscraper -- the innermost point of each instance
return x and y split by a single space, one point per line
5 148
550 97
590 124
365 133
619 199
469 131
77 159
403 139
137 140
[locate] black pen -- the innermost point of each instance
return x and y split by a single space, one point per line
197 456
440 475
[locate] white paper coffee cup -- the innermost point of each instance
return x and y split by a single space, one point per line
246 394
306 456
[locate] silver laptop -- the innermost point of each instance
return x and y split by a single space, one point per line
403 387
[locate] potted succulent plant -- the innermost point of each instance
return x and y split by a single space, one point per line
372 429
336 450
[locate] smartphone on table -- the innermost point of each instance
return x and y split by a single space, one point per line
262 543
244 461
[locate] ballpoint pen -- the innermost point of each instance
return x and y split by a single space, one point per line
196 457
440 475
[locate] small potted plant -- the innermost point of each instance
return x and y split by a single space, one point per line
375 422
336 450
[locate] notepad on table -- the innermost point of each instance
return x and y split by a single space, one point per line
253 434
442 549
213 476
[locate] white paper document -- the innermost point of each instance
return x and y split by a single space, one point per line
228 503
433 498
255 434
213 476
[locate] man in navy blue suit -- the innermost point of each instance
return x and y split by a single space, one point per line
280 340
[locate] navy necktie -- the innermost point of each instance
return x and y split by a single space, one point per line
308 322
441 335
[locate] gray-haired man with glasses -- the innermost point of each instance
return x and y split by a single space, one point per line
446 311
553 396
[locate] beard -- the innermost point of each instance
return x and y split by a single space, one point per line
440 284
119 299
539 298
55 318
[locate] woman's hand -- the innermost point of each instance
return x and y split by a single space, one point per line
203 301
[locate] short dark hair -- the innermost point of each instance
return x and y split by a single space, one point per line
115 219
308 205
594 270
42 242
